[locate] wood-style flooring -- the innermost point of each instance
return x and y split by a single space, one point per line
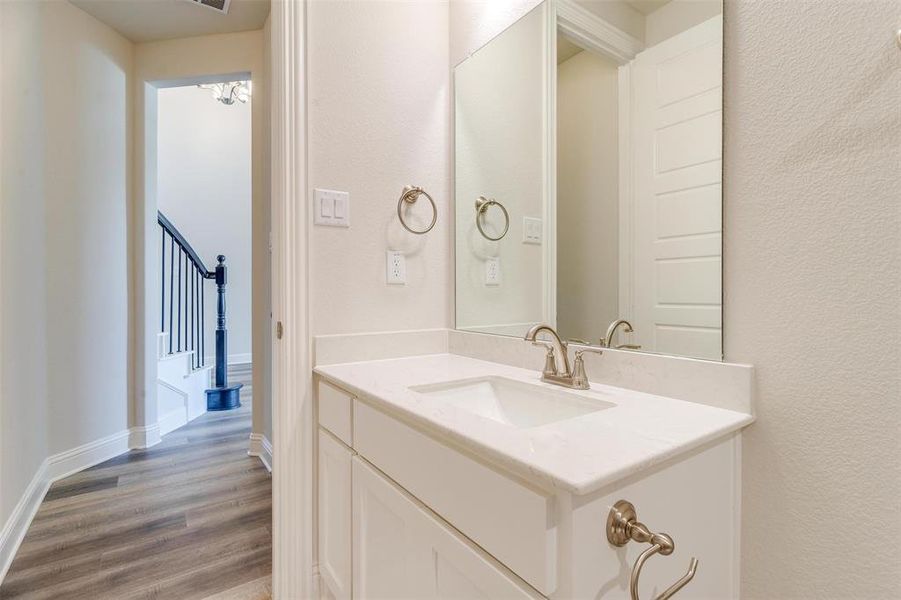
187 519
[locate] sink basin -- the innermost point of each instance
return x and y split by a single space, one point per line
516 403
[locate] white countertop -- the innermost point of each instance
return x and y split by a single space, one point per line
579 455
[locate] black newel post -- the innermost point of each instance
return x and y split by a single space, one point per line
222 396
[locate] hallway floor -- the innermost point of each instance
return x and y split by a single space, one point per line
189 518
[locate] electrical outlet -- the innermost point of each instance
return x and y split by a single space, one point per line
493 271
531 230
395 268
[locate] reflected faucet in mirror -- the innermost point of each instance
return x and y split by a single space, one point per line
607 340
552 373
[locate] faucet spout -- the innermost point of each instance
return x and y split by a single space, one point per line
607 342
560 352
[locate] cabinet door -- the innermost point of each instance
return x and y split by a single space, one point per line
401 550
334 517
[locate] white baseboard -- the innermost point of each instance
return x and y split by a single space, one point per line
144 437
233 359
17 524
54 468
261 447
172 421
93 453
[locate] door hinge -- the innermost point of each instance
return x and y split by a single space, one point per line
279 329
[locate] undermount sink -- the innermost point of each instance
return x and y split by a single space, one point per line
516 403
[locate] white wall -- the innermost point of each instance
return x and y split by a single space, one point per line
811 284
812 291
378 120
66 173
23 386
500 147
204 189
158 64
587 196
676 16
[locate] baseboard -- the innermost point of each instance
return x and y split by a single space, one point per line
18 522
261 447
172 421
233 359
145 436
77 459
54 468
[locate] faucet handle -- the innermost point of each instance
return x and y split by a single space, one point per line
550 363
580 377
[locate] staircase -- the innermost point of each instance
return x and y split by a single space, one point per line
180 387
185 386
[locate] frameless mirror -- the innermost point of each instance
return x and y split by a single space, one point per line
588 176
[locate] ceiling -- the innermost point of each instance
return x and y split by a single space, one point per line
565 48
646 7
152 20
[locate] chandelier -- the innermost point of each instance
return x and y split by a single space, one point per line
229 92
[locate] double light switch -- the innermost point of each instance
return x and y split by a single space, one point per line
331 207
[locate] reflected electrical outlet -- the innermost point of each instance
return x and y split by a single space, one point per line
493 271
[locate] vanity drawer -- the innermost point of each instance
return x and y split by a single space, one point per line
511 521
335 412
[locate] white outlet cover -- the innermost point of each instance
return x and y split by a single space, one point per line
532 229
395 268
331 208
493 271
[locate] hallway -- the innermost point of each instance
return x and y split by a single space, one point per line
189 518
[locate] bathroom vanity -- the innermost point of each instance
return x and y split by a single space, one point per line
587 207
444 476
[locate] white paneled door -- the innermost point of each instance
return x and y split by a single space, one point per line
677 182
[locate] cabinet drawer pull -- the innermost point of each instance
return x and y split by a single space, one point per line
623 526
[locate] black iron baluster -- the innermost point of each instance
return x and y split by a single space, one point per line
192 317
202 329
163 282
196 320
178 345
171 281
186 300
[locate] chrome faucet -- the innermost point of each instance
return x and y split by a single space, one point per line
552 373
607 341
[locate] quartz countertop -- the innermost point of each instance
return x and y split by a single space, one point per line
579 455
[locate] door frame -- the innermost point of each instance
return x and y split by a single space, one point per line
596 35
293 574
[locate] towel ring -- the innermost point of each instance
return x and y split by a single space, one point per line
623 526
410 195
482 204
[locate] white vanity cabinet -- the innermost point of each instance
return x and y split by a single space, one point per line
403 514
401 550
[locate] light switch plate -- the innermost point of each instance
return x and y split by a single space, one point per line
493 271
531 230
331 208
395 268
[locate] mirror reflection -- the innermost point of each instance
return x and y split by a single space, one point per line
588 176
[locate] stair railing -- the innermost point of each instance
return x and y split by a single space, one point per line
182 309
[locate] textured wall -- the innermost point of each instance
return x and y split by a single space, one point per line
812 298
378 120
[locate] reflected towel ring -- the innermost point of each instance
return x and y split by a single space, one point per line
410 195
482 204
